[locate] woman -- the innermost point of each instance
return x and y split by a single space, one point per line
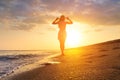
62 21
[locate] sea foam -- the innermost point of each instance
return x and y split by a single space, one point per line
12 60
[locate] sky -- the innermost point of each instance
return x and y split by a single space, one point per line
27 24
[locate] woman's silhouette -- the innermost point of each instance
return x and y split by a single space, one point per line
62 21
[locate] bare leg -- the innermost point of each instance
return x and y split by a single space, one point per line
62 38
62 47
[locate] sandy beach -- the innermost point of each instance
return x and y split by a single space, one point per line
95 62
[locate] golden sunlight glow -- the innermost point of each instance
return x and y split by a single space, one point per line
74 36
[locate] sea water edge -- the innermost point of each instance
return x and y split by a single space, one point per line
12 60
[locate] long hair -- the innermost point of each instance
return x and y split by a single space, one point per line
62 18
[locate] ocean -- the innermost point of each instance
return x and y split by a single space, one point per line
10 60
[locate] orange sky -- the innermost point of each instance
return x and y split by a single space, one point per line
27 24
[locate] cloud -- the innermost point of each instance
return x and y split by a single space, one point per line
103 12
18 13
99 13
23 26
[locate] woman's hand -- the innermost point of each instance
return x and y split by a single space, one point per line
57 18
55 21
69 21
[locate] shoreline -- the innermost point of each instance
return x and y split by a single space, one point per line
28 67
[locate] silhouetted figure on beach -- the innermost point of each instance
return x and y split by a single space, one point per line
62 21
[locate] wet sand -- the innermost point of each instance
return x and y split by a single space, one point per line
96 62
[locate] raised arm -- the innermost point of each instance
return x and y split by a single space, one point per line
69 20
55 21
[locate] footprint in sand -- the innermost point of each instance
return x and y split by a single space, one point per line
89 61
102 50
116 48
102 55
87 54
116 67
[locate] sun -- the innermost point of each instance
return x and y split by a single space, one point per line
74 36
